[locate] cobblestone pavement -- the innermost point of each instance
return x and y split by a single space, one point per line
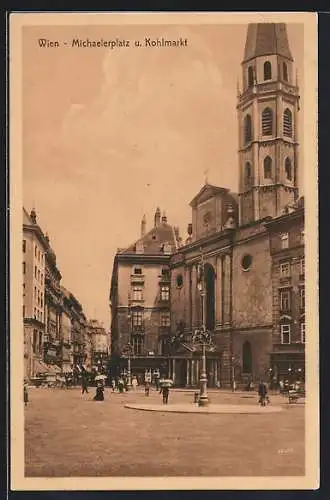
67 434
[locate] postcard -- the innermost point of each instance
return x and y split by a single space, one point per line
164 251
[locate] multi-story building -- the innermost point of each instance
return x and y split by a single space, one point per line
230 255
53 310
100 345
140 296
288 281
54 322
34 257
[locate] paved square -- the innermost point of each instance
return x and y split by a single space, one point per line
67 434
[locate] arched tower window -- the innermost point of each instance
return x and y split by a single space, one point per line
247 357
267 71
288 169
247 129
287 123
268 167
267 121
285 71
248 172
250 76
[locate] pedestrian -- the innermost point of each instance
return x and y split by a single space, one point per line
165 391
147 388
99 396
121 385
134 383
26 394
84 386
113 383
262 391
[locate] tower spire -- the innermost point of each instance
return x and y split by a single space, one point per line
266 186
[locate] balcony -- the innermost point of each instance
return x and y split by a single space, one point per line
285 280
137 302
137 278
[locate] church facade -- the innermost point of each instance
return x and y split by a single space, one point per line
236 238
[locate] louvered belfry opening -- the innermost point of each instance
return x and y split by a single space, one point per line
288 169
267 122
247 128
287 123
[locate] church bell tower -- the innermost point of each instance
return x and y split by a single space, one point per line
267 108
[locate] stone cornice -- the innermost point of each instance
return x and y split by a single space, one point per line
267 142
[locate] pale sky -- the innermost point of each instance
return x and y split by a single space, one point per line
109 135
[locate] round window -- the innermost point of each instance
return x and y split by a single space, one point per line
246 262
179 280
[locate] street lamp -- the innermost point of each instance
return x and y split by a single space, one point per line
128 352
203 338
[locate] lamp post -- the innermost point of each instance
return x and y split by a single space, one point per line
128 348
202 337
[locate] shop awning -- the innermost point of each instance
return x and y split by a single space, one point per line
53 369
66 369
40 367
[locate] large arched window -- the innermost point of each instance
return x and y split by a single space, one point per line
268 167
287 123
247 129
285 72
267 121
267 71
247 357
288 169
250 76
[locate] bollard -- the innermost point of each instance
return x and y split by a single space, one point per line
196 397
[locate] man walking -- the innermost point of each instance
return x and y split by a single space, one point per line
165 391
84 387
262 391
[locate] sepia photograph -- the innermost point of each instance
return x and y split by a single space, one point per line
164 248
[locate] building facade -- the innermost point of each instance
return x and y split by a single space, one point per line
99 340
288 286
140 297
34 262
54 321
225 276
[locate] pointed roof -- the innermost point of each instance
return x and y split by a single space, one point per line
207 191
154 241
265 39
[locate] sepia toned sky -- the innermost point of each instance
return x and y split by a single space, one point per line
109 135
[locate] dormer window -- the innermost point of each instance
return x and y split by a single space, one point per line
167 248
139 247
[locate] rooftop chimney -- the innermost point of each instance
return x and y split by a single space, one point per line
164 218
157 217
143 226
